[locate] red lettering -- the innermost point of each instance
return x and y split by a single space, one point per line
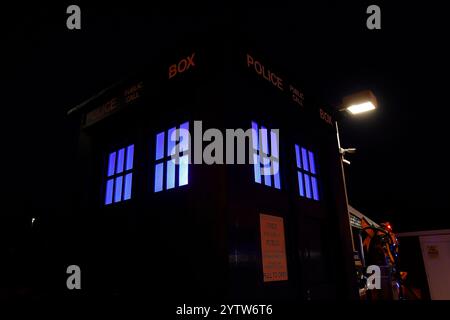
326 117
274 79
190 60
249 60
280 84
258 66
172 71
261 70
182 65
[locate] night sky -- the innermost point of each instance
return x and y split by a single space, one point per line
400 171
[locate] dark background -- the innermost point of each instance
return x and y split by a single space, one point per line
399 172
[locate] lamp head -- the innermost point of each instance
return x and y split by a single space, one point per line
359 102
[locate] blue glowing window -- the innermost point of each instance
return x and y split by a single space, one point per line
172 164
266 159
119 175
306 173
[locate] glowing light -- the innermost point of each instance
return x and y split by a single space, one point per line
118 191
183 174
360 108
266 163
255 136
120 160
170 181
301 187
297 156
130 156
120 163
256 168
276 175
159 146
111 163
256 159
308 186
312 165
184 137
315 188
109 191
128 183
305 159
171 141
159 174
265 160
306 173
177 138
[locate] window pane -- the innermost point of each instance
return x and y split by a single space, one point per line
264 141
120 159
159 174
159 146
301 188
111 163
274 144
183 171
171 141
276 174
118 193
109 191
315 188
127 189
266 171
257 167
312 164
170 182
255 135
308 186
184 137
266 163
305 159
297 156
130 156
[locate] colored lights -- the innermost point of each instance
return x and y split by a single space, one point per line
306 173
266 160
176 161
118 188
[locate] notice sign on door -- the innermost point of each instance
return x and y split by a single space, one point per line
273 248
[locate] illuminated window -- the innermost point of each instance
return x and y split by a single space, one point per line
119 175
171 172
307 174
266 161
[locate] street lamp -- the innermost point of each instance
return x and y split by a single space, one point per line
355 104
359 102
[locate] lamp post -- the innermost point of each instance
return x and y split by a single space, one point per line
355 104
